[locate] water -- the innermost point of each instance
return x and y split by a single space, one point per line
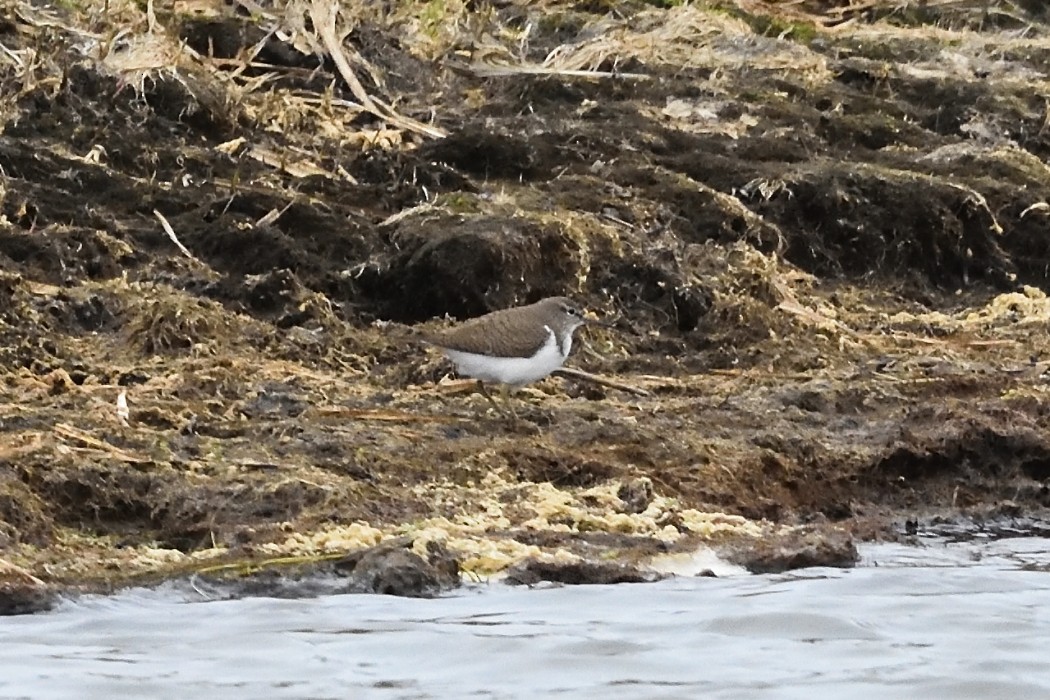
942 621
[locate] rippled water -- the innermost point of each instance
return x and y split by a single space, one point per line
941 621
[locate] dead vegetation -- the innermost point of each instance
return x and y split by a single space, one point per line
819 228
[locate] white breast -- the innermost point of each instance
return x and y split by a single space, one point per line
516 371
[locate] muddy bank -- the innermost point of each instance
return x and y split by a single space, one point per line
820 236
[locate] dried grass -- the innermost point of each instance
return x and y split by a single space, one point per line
687 36
141 47
176 324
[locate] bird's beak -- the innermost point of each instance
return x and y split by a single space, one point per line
592 320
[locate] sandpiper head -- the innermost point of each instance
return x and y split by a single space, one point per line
567 314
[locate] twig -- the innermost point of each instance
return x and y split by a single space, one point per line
323 14
151 16
123 414
175 239
194 586
69 432
273 215
11 572
405 213
490 70
382 415
580 375
1041 207
280 160
13 55
978 199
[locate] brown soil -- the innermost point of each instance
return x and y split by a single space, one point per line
820 233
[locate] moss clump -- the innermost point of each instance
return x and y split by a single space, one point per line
460 203
770 25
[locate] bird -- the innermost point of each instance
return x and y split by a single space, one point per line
512 347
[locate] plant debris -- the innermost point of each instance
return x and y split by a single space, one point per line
820 229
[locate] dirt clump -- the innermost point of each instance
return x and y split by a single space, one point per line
797 550
578 573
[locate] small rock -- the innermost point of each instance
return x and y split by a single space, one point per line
534 571
21 593
636 495
799 550
60 382
1009 509
392 569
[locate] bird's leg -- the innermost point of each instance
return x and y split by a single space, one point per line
504 391
506 409
487 395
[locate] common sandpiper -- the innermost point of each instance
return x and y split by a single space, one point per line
512 347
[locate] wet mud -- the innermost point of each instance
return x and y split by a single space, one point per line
819 236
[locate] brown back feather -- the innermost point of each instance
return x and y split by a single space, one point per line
504 336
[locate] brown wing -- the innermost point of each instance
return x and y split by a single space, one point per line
506 333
